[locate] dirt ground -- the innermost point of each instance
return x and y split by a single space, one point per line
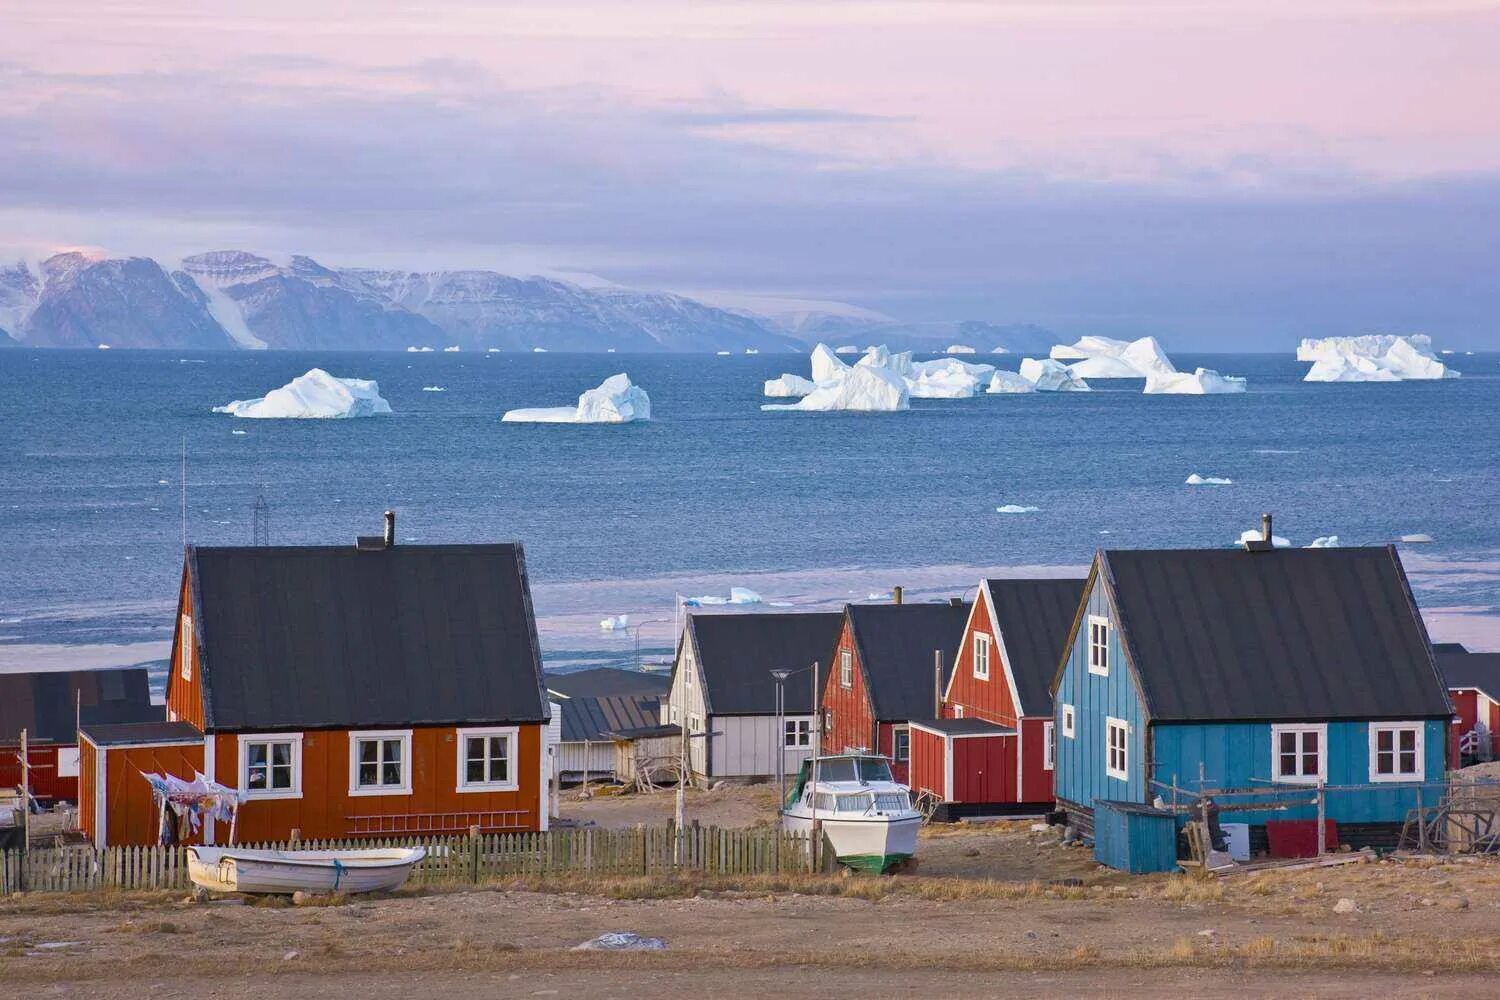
961 927
728 806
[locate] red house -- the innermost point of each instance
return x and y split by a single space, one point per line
883 676
992 752
1473 681
49 706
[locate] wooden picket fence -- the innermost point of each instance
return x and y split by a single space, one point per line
454 860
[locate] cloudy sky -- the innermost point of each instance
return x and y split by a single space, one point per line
1226 173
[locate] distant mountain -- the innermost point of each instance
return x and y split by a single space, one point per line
85 301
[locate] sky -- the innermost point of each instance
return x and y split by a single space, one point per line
1228 174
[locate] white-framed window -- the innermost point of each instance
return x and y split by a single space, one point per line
958 711
982 657
675 716
797 733
1116 748
1397 752
695 724
1098 645
380 762
846 668
185 648
271 765
1299 753
487 759
1049 746
1067 721
901 744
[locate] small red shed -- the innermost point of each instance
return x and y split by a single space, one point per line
1473 681
965 763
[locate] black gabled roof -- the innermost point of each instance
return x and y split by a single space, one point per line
736 653
1226 634
896 643
601 682
1032 618
124 734
1463 669
49 704
590 718
315 637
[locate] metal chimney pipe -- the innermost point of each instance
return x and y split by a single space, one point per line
937 683
1265 528
390 529
895 595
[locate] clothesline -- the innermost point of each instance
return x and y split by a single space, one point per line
194 799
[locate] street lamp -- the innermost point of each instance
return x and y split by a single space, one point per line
636 632
780 675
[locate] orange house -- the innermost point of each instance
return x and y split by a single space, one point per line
993 751
353 691
884 675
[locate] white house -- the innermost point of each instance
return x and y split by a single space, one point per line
723 690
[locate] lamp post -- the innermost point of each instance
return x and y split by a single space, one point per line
635 631
780 676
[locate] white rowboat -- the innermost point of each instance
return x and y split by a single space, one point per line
232 869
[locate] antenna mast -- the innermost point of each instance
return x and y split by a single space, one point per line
184 492
260 519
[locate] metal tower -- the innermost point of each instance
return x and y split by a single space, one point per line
260 517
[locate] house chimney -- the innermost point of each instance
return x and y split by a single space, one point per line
1265 528
895 595
390 529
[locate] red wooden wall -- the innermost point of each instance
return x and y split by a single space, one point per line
1036 779
185 697
928 763
848 716
984 769
980 699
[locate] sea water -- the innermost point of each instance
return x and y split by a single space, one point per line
808 509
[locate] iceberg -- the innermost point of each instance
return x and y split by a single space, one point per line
538 350
826 365
863 389
616 401
616 623
737 595
1015 508
959 349
846 349
451 350
1372 358
433 388
419 350
316 394
1197 480
946 378
492 350
1417 539
1000 350
1254 535
1106 357
789 385
1004 381
1323 542
1050 375
883 357
722 354
1200 382
752 350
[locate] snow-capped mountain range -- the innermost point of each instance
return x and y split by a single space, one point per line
231 299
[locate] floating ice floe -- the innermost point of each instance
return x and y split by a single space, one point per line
1255 535
1323 542
616 401
1197 480
1417 539
1373 358
433 388
860 389
846 349
1050 375
946 378
1004 381
752 350
538 350
615 624
959 349
885 595
1106 357
1015 508
722 354
237 432
419 350
103 347
737 595
1201 382
1000 350
451 350
492 350
316 394
789 385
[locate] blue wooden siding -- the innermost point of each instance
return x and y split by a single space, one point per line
1080 775
1237 755
1133 838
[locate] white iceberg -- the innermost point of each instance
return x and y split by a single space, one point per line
314 395
419 350
1049 375
1372 358
1004 381
1199 382
538 350
722 354
1197 480
616 401
737 595
863 389
752 350
616 623
789 385
1417 539
451 350
846 349
882 357
826 365
1323 542
1106 357
492 350
103 347
946 378
885 595
1015 508
433 388
1000 350
1255 535
959 349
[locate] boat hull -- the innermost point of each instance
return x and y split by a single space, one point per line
874 844
229 870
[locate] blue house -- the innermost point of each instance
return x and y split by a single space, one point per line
1259 670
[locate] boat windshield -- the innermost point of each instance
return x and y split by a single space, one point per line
854 769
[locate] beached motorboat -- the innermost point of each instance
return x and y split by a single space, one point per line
234 869
867 816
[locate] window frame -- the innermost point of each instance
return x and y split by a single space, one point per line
1049 746
1302 728
958 711
982 642
1102 623
801 734
846 668
512 735
1121 773
1069 721
356 736
245 740
1375 728
896 733
185 649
